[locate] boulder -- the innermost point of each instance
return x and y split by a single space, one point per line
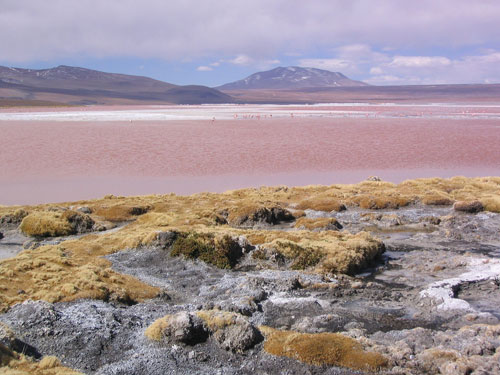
233 332
165 239
81 223
182 327
258 215
470 207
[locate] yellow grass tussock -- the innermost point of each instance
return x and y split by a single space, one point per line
46 224
218 319
321 349
321 203
12 363
317 223
156 331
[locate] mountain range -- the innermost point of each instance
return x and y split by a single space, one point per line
66 85
73 85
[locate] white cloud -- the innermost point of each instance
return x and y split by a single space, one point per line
481 68
241 60
352 60
326 64
419 61
204 68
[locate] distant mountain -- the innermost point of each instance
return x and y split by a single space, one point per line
74 85
291 78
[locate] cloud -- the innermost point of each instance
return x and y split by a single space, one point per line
481 68
221 29
353 59
326 64
204 68
419 61
241 60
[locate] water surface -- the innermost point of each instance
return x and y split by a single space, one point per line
68 156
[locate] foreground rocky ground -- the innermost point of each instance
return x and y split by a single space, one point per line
374 277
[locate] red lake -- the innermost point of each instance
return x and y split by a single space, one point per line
50 155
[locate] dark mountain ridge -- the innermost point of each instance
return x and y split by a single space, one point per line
74 85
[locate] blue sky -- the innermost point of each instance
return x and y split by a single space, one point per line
214 42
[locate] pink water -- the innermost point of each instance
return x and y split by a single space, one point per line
68 160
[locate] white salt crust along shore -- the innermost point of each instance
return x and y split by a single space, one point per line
232 112
480 269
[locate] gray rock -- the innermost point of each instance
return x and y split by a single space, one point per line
238 337
84 210
165 239
185 328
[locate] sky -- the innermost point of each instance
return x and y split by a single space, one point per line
212 42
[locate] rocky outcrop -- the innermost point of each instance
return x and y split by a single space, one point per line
251 216
231 331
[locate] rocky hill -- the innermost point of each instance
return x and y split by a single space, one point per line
74 85
292 77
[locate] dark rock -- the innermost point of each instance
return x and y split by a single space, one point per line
81 223
14 218
259 216
165 239
9 341
470 207
136 211
1 235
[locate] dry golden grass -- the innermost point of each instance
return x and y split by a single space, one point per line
318 223
156 331
119 212
72 270
46 224
491 204
321 204
75 269
327 251
321 349
18 364
218 319
437 199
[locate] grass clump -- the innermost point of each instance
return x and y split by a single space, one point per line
302 257
437 199
321 204
156 331
325 223
119 212
12 363
381 202
46 224
491 204
218 319
223 252
326 252
321 349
